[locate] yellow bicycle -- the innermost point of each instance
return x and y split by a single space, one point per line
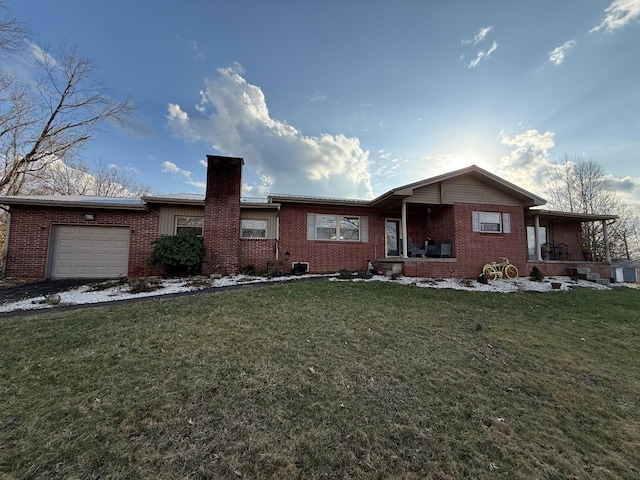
501 269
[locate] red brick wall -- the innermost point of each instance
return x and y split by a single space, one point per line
434 268
567 232
222 215
328 256
434 222
31 228
257 252
474 249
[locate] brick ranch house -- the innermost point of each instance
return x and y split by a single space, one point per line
445 226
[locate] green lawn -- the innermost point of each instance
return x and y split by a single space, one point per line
327 380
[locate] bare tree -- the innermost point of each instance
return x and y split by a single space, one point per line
12 32
55 121
76 178
110 181
46 123
581 186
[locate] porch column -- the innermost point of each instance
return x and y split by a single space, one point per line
605 235
536 230
403 229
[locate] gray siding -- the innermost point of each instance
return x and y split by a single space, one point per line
466 189
169 213
271 216
429 194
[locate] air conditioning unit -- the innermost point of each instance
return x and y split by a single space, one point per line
300 267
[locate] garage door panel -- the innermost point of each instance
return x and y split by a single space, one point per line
64 271
90 252
104 243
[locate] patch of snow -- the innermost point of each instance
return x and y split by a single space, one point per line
496 286
84 295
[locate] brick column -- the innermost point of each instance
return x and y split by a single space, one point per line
222 215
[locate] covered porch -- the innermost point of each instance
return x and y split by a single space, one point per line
420 241
558 242
420 231
562 236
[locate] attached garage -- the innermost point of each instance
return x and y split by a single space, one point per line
87 251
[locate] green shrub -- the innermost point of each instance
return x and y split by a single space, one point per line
482 279
179 255
536 275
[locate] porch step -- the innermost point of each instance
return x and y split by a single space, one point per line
585 273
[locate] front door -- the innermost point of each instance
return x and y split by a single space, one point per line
393 238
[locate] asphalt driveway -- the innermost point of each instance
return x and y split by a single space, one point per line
40 288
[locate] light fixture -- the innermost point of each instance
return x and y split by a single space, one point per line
90 217
287 255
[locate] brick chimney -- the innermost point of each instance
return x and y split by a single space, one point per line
222 215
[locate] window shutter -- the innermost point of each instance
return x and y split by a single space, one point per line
476 221
311 226
364 229
506 223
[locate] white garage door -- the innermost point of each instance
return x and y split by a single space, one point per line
89 252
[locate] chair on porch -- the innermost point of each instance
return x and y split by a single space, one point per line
563 252
415 250
439 249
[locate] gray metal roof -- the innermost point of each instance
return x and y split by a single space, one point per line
74 201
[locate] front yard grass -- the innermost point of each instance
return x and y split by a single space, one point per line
326 380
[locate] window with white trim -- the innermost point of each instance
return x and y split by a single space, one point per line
186 224
491 222
344 228
253 228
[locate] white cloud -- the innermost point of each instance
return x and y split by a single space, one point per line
41 55
618 15
628 188
172 168
325 165
528 164
556 56
199 56
624 185
479 37
317 97
175 113
482 55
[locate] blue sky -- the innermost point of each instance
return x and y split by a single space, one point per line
353 98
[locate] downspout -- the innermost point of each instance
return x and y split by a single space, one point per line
404 229
278 235
5 249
